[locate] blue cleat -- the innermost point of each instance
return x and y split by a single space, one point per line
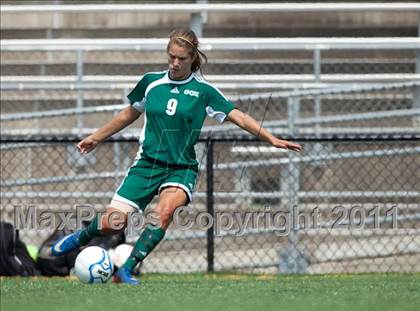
123 275
66 244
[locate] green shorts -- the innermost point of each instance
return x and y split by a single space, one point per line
145 179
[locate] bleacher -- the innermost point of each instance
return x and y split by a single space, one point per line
59 51
66 70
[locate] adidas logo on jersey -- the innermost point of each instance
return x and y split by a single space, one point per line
191 93
175 90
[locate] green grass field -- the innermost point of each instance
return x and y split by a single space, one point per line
218 292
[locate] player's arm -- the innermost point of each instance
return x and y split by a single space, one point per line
124 118
249 124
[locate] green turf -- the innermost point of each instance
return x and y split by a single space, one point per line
221 292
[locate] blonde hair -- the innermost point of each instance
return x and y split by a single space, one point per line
187 38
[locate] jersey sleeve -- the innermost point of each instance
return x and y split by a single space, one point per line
218 106
137 95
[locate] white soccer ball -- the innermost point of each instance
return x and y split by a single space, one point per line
93 265
120 254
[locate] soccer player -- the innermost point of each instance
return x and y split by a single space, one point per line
175 103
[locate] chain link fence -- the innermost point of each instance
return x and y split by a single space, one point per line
348 203
353 207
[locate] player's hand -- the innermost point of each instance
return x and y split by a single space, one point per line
288 145
87 145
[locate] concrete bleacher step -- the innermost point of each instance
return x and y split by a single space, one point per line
135 24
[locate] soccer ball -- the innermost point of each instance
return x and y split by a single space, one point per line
93 265
120 254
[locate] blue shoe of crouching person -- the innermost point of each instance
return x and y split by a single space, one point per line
66 244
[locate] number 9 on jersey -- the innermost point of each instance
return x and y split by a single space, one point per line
171 106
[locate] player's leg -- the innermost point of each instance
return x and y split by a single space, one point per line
175 190
170 198
112 221
135 192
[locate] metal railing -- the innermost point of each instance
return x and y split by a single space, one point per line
216 7
316 45
290 96
212 44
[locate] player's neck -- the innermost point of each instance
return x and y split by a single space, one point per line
184 77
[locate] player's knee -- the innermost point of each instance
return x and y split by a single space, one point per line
113 221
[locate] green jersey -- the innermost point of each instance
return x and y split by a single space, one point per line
174 115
